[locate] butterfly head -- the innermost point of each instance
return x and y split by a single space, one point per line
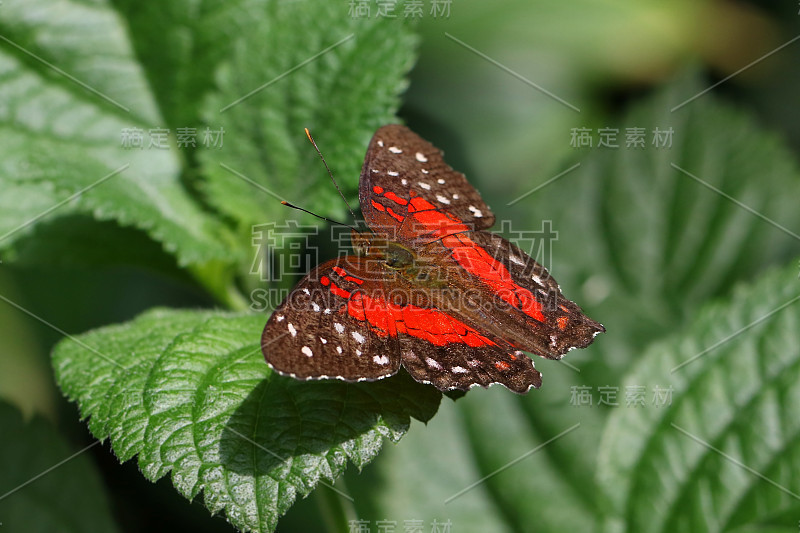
361 241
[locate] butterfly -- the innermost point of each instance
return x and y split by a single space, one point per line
428 288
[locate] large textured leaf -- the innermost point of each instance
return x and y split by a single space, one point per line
62 122
180 44
725 454
661 242
295 65
190 394
642 246
46 484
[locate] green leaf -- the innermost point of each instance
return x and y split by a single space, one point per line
301 64
725 454
62 121
421 478
190 394
641 246
549 444
47 485
660 241
180 44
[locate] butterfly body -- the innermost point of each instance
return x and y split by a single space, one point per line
428 288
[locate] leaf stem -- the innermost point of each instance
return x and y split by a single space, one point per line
217 278
336 511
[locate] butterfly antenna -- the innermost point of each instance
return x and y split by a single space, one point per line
287 204
310 138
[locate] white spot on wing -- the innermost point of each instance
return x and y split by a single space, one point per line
440 181
424 185
475 211
516 260
292 330
424 171
315 307
359 338
404 181
455 197
395 150
553 340
338 349
323 341
338 327
442 199
393 173
306 350
280 318
537 279
306 291
326 311
421 157
432 363
381 359
358 353
375 170
459 370
380 143
474 363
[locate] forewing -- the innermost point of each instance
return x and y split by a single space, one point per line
323 329
400 165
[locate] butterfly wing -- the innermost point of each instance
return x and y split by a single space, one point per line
506 292
350 319
449 354
400 165
564 326
320 330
